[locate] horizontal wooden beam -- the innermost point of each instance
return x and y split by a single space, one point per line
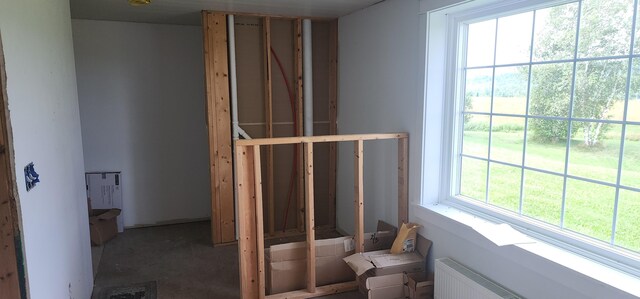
316 139
275 16
320 291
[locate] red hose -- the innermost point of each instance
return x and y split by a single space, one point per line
295 146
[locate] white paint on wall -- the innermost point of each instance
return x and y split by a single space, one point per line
43 104
141 94
381 89
378 92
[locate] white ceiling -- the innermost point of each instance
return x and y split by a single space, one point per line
187 12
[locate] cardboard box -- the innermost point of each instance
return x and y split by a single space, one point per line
104 192
288 263
103 225
399 285
387 286
381 239
383 263
420 285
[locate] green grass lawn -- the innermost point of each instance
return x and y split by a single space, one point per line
589 207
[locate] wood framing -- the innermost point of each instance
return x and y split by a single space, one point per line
358 193
257 35
299 110
10 277
268 110
403 181
251 241
309 217
219 127
247 224
333 117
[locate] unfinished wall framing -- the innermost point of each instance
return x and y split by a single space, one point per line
250 220
269 73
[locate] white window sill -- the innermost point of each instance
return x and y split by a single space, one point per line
573 261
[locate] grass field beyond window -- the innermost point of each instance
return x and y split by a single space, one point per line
589 206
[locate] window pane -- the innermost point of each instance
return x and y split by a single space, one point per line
514 38
633 109
546 144
631 159
628 225
605 28
475 141
473 178
507 136
481 43
555 32
600 85
478 86
589 209
542 196
595 150
510 90
504 186
551 89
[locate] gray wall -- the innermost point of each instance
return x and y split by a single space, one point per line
141 94
43 104
381 80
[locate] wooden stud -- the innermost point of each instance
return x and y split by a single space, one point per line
310 221
317 139
268 108
333 117
273 16
219 126
358 194
300 109
257 178
216 232
9 274
403 181
320 291
248 235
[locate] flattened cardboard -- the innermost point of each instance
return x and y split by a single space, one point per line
383 263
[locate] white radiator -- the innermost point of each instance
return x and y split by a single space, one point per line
455 281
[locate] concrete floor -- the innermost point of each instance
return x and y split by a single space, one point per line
179 258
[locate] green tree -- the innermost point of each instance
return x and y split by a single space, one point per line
605 30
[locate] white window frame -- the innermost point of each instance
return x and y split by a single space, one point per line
441 90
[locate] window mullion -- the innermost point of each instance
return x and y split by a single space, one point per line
570 125
526 114
493 84
624 123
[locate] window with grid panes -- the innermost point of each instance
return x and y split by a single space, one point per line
549 118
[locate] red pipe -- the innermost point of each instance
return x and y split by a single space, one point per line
295 146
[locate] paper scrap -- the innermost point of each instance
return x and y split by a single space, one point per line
502 234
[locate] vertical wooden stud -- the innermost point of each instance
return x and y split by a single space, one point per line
268 109
358 191
403 181
310 221
248 235
9 274
300 109
257 178
219 127
333 117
